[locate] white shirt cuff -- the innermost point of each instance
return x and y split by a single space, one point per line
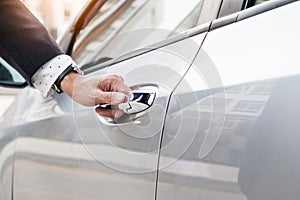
47 74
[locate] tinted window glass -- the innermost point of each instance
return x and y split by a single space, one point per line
260 1
9 75
250 3
122 26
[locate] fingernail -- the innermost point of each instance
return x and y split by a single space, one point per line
118 98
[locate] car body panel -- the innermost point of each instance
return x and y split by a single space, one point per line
7 149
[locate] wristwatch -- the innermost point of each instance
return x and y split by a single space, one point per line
56 85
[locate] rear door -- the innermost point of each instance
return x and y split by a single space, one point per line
232 128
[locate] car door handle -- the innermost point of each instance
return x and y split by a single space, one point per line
139 101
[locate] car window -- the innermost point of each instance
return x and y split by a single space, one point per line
250 3
259 1
122 26
5 75
190 21
8 75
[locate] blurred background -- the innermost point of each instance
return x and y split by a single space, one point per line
56 15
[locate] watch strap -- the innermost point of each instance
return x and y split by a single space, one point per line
56 85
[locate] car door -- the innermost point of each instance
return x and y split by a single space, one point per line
232 127
66 151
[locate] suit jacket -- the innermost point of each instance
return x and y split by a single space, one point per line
24 42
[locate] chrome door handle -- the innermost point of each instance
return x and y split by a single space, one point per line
139 101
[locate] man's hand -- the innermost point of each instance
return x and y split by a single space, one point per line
91 91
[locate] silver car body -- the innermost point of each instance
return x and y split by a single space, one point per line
223 125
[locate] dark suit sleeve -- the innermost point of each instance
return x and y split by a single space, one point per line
24 42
